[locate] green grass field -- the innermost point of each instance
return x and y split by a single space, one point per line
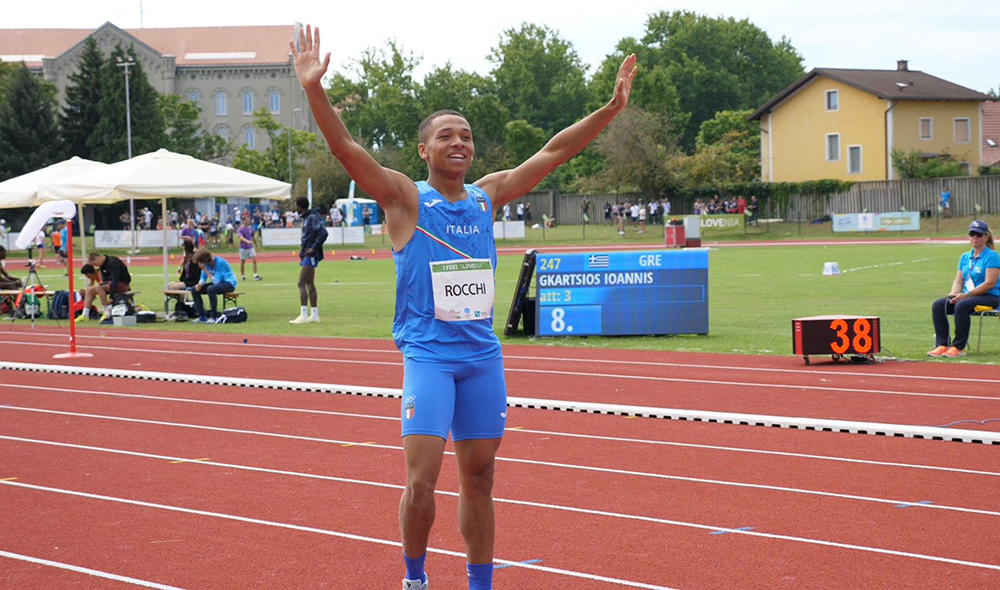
753 292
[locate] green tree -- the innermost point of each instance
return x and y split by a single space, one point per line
274 161
83 96
713 64
735 141
913 164
381 108
29 138
523 140
109 142
539 78
637 148
184 133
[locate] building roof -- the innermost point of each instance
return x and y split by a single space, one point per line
991 133
191 46
898 84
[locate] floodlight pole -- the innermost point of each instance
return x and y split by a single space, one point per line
126 63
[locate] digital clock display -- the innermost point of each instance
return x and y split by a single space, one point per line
622 293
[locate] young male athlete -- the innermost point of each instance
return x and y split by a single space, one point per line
441 231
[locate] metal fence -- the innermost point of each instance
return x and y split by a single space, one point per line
970 195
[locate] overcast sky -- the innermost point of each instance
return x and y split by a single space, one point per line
953 39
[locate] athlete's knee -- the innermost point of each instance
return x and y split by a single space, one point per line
479 479
420 490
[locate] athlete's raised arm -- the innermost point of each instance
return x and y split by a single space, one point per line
393 191
507 185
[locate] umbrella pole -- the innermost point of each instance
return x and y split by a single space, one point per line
72 299
83 235
166 280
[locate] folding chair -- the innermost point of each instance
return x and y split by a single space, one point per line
983 311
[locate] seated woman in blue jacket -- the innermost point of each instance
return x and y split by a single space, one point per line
975 285
217 278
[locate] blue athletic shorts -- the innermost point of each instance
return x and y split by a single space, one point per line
309 261
467 399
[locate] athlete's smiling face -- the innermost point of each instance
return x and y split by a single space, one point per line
448 145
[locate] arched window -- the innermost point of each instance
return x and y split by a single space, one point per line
274 102
249 138
220 104
223 132
194 96
247 102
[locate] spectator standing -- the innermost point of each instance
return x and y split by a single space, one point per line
607 212
752 208
216 279
336 217
366 215
527 212
520 211
248 250
945 202
311 253
506 212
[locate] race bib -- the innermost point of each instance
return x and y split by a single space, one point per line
463 289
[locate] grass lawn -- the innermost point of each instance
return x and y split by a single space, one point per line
753 292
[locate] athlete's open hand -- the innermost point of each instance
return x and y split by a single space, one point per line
623 85
308 67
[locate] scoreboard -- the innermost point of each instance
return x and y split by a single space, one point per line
622 293
836 335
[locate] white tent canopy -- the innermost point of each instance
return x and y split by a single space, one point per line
22 191
162 175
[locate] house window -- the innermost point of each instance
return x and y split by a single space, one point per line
248 103
966 168
274 102
220 104
926 128
249 139
223 132
194 96
854 159
832 147
962 134
832 100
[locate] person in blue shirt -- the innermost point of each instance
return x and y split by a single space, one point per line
217 278
444 251
945 202
975 285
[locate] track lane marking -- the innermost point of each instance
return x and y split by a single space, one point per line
85 570
522 429
534 462
331 533
350 536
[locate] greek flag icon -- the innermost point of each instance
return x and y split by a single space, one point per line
597 261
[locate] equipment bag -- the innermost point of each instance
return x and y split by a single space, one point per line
233 315
121 306
59 307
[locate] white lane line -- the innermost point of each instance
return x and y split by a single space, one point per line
751 533
519 430
587 468
626 362
244 358
85 570
338 534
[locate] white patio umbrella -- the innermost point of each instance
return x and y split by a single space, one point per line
162 175
22 191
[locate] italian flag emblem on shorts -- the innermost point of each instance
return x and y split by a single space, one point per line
408 411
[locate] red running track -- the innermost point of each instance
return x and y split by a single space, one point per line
283 476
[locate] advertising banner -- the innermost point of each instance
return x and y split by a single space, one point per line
894 221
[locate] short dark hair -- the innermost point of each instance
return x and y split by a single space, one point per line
425 125
86 269
302 203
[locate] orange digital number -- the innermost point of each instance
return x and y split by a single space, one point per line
863 338
841 327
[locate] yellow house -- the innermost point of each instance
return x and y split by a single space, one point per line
844 124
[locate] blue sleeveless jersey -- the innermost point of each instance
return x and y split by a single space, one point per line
445 231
